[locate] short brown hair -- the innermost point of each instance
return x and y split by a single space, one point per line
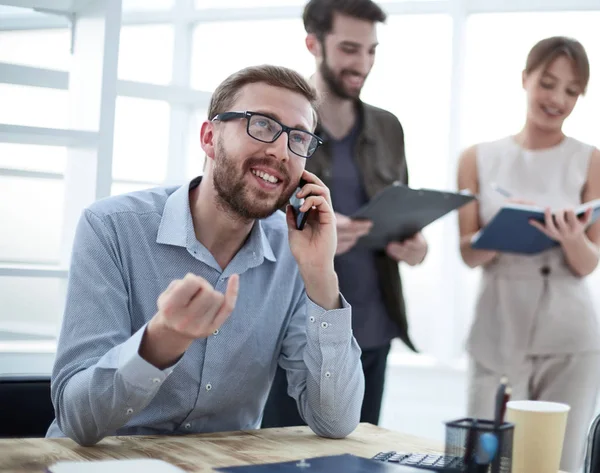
228 91
318 14
546 50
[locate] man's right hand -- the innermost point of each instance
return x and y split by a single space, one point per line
349 231
190 308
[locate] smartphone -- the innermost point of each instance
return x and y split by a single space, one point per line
296 203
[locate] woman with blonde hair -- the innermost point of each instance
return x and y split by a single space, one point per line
535 320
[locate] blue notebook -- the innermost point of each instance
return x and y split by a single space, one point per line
509 231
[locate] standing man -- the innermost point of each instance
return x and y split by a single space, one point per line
362 154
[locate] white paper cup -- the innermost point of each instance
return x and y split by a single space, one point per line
539 435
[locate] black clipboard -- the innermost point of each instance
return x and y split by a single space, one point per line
399 211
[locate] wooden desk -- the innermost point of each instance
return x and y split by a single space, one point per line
200 453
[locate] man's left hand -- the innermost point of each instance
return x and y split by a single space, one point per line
412 250
314 246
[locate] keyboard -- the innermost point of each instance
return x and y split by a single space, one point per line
440 463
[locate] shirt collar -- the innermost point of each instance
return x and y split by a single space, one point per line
258 243
177 228
176 222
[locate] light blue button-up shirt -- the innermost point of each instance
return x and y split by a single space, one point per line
127 250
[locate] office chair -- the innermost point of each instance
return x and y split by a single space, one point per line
26 409
592 452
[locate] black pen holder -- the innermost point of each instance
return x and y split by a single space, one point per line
463 440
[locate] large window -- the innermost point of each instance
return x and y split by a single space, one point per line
31 307
33 106
31 216
173 53
50 159
39 48
142 5
31 212
146 53
32 191
141 140
242 3
278 42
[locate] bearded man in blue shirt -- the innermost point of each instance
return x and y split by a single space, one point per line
183 300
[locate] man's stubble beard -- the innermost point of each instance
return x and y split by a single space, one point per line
334 83
232 193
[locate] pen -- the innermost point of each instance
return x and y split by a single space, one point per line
500 190
500 403
507 394
470 444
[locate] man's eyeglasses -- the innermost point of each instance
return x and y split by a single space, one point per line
266 129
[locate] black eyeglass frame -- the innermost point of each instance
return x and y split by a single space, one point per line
226 116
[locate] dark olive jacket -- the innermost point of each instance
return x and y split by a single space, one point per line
380 158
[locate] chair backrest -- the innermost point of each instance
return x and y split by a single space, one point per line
592 452
26 408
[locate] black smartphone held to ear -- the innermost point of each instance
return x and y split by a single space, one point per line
296 203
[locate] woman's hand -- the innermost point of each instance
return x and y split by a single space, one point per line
563 226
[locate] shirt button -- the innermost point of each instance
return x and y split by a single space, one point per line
156 380
216 332
208 387
188 426
545 270
324 325
311 318
328 375
129 411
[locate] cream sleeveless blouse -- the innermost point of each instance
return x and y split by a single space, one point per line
531 305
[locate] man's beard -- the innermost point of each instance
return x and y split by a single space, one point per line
335 84
233 194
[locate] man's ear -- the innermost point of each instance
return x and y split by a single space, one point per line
313 44
523 78
207 139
